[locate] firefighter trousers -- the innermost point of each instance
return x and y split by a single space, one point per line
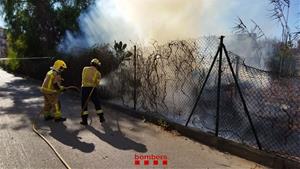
52 105
85 92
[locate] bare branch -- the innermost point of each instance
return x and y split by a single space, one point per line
280 12
240 27
257 29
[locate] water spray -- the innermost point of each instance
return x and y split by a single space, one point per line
103 82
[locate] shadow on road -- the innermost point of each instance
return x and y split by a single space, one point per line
69 138
22 101
117 139
22 97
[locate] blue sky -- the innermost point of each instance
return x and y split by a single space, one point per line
257 10
2 24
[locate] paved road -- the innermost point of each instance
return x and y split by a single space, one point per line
112 145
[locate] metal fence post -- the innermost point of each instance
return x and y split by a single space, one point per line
219 88
237 67
202 88
242 97
134 79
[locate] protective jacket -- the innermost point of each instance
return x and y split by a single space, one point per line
90 77
52 83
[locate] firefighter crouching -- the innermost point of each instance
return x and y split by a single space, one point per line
90 81
51 89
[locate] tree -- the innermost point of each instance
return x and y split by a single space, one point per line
36 27
281 13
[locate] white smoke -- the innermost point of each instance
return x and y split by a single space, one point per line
144 20
162 20
255 52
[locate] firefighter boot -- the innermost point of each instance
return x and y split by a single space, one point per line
57 114
60 119
84 119
47 118
101 117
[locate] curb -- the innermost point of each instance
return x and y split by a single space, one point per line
221 144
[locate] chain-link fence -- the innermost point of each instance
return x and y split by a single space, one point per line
166 79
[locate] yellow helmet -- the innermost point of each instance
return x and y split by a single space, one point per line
58 65
95 61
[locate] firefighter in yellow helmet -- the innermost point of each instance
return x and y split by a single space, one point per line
90 81
51 89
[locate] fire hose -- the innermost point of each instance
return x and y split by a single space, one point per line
73 87
35 130
50 145
87 100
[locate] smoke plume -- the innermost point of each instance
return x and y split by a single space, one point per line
146 20
162 20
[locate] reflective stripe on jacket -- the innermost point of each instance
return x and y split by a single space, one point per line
52 78
90 77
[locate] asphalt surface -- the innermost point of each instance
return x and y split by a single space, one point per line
113 144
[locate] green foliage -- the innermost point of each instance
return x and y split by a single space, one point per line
121 53
36 27
13 64
76 63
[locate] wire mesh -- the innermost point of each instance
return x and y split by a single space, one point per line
170 76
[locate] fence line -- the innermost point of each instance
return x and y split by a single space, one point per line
167 79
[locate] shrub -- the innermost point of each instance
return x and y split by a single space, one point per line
110 58
283 61
76 62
